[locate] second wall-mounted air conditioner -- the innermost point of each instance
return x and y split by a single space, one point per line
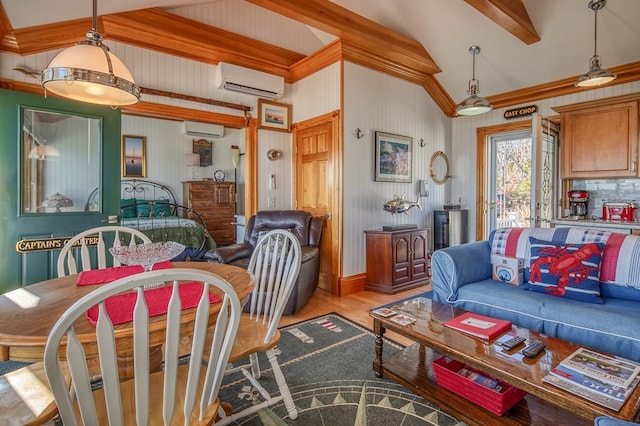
245 80
203 130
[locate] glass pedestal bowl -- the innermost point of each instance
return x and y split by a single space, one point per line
147 255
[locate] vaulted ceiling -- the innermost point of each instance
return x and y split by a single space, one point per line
531 49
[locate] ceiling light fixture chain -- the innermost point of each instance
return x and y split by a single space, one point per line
474 104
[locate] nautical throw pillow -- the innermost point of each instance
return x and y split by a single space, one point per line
566 270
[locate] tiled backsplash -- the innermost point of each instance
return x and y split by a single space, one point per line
608 190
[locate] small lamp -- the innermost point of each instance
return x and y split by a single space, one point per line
193 161
56 201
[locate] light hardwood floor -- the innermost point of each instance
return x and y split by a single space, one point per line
355 307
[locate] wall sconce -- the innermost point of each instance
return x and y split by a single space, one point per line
422 143
274 154
193 161
56 201
358 133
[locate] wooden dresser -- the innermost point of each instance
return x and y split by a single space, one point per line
396 260
215 202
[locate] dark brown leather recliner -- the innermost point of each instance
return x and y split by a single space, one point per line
303 225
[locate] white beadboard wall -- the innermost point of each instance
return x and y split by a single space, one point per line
375 101
316 94
464 153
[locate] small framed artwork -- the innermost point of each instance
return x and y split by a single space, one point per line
134 156
393 157
205 149
274 115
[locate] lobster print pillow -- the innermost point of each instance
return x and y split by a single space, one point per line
566 270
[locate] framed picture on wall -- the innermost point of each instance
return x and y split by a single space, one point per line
393 157
205 149
274 115
134 156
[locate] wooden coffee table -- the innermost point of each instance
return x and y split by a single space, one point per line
544 405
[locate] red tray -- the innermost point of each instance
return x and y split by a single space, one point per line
498 402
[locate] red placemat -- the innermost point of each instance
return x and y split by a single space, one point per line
106 275
120 307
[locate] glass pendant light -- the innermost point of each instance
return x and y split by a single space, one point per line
596 76
88 72
474 104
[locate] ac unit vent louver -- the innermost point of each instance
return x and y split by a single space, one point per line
203 130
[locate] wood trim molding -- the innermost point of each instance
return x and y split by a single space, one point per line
148 109
597 102
353 28
251 168
7 39
626 73
352 284
313 63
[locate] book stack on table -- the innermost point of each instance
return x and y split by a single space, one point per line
602 379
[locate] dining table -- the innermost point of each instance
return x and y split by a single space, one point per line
27 315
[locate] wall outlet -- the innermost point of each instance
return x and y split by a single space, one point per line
271 201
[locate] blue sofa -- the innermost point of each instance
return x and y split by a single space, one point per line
462 277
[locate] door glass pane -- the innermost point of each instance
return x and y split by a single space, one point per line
60 162
510 180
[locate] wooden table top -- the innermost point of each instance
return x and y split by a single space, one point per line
510 366
28 313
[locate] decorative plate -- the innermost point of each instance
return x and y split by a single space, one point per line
219 175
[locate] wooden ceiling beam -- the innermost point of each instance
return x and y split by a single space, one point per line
161 31
355 30
509 14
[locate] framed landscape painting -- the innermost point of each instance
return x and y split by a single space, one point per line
393 157
134 156
274 115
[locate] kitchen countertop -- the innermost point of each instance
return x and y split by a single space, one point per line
596 223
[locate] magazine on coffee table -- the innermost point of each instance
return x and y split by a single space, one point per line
608 369
601 393
478 325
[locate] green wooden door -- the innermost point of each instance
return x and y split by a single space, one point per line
28 237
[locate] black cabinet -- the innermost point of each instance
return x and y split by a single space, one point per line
450 228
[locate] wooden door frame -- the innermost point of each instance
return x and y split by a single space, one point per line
481 167
334 178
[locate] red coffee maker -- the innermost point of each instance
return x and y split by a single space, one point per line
578 201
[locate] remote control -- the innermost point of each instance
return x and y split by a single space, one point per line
533 349
513 342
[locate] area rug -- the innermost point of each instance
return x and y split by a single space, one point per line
327 362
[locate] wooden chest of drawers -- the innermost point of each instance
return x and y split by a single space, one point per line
215 202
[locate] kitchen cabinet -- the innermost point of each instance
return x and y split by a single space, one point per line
215 203
396 260
599 141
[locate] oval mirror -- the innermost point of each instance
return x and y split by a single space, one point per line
439 167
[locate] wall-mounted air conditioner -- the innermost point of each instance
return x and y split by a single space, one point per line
245 80
203 130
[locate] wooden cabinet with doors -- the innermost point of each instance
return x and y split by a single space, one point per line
215 202
599 140
396 260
